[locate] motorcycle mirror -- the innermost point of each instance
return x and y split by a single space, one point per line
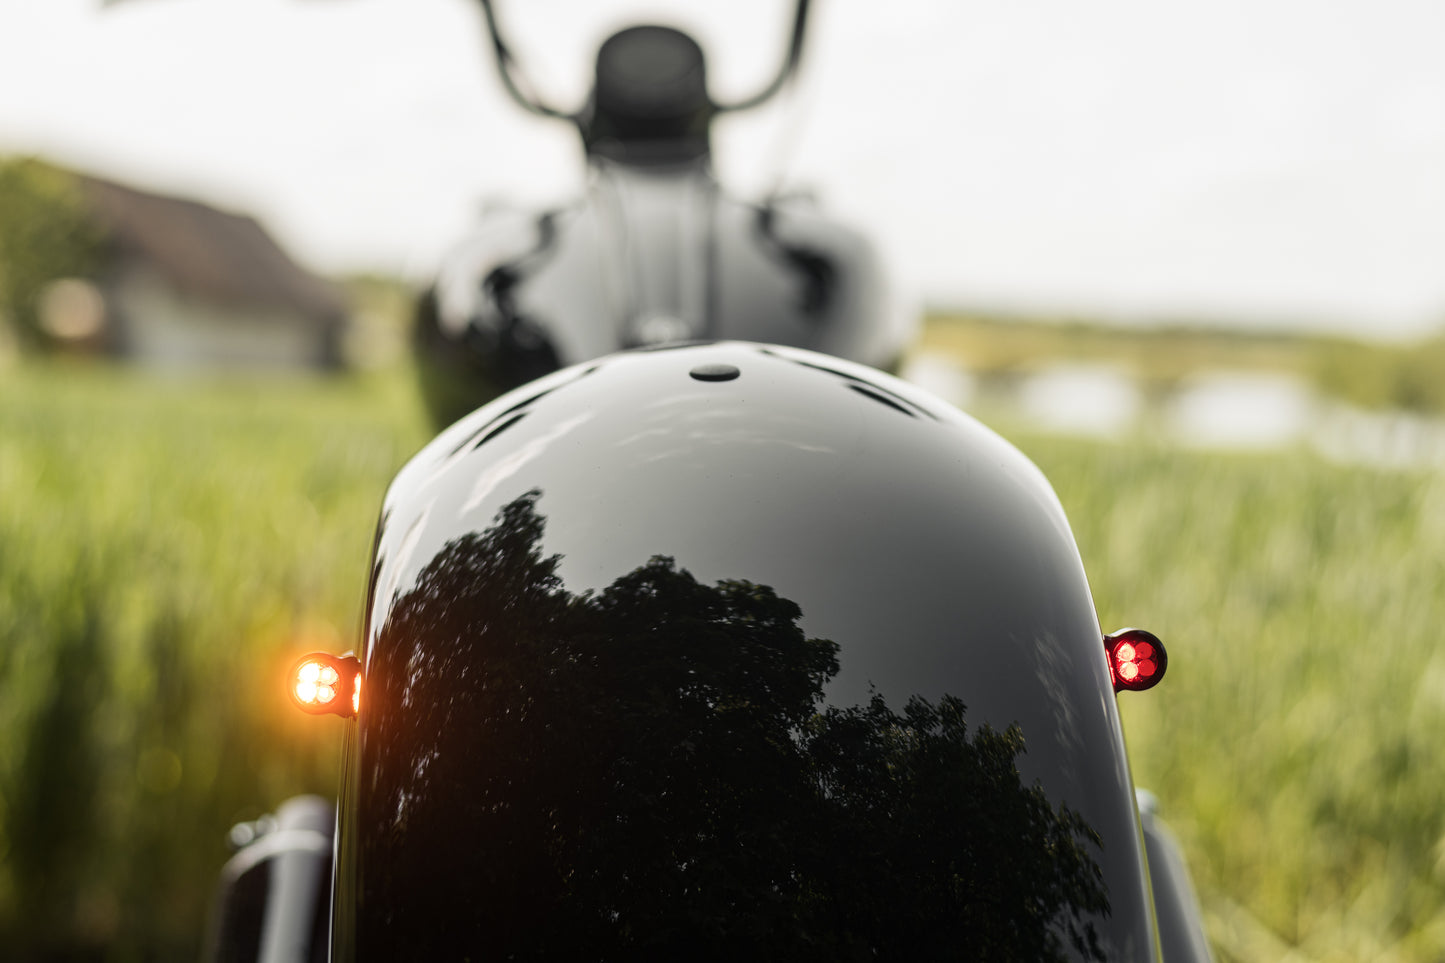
1137 659
321 684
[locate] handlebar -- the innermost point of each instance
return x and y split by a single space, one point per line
511 74
520 91
793 57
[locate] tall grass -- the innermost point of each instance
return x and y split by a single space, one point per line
1297 742
167 548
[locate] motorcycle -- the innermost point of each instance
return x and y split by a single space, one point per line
715 647
656 250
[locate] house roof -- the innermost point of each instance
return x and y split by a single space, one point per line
209 253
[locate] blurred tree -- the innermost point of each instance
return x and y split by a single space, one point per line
650 772
46 233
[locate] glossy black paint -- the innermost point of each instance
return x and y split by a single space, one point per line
801 663
649 255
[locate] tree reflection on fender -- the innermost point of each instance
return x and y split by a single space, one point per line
651 772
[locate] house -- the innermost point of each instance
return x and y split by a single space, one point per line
188 286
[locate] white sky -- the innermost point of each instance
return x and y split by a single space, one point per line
1280 161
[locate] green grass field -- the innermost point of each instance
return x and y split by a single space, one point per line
1296 745
167 547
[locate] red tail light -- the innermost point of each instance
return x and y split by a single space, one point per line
1136 659
322 683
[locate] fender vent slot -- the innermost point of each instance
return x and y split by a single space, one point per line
881 399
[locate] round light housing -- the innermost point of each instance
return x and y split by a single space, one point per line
1136 659
320 684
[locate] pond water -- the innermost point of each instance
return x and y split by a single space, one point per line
1213 410
1228 409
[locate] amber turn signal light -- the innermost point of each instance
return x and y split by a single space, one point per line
321 683
1136 659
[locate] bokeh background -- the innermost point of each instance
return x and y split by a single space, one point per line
1190 259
